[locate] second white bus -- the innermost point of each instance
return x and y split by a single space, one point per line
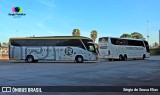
123 48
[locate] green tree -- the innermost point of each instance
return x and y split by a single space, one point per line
125 36
76 32
137 35
93 35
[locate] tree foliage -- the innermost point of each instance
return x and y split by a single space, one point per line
135 35
76 32
94 35
125 36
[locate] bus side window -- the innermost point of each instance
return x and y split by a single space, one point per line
114 41
91 48
140 43
120 42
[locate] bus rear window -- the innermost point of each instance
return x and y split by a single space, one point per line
103 40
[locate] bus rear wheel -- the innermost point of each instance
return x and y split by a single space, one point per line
79 59
30 59
125 57
36 61
144 56
120 57
111 59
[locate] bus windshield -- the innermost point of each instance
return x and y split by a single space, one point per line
91 47
146 45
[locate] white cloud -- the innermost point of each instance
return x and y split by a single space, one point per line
48 3
41 23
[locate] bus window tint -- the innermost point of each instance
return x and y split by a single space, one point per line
76 43
135 43
14 43
120 42
140 43
39 42
147 46
103 40
50 42
70 42
91 48
17 42
115 41
61 42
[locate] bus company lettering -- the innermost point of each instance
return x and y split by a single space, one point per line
68 51
134 48
59 50
43 50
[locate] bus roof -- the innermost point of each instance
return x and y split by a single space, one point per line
53 37
126 38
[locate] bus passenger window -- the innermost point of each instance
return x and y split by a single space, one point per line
91 48
120 42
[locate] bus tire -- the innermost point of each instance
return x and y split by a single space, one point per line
144 56
79 59
120 57
111 59
125 57
36 61
30 59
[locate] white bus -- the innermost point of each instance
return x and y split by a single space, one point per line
122 48
55 48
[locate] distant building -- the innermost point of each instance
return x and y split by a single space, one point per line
4 52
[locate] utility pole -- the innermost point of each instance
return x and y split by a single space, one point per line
159 37
0 51
148 31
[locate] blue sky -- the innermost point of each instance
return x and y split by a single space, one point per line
60 17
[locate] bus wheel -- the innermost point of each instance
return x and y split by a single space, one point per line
120 57
36 61
144 56
79 59
125 57
30 59
111 59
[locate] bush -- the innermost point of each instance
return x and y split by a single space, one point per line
155 51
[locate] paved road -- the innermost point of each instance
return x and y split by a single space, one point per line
103 73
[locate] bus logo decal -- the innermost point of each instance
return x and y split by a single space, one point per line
68 51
